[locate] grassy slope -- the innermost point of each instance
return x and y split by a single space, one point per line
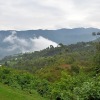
7 93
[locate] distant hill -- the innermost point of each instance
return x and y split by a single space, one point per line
13 42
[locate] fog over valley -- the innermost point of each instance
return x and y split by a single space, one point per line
14 42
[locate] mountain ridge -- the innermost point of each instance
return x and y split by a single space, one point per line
65 36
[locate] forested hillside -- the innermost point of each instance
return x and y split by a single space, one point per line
66 72
81 52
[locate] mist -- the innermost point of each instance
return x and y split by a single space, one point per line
17 44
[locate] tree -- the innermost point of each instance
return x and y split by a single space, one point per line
97 55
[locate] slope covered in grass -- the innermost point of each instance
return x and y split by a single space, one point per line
7 93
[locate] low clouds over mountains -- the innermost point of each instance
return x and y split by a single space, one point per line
12 42
21 45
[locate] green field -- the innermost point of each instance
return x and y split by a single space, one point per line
7 93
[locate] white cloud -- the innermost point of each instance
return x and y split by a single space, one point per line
49 14
41 43
27 45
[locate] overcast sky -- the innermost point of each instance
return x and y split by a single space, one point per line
49 14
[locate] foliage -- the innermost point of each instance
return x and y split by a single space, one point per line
65 72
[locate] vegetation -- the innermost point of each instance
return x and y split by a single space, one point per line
8 93
62 73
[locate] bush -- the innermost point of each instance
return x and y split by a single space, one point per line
75 68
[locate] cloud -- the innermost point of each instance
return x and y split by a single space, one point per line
26 45
49 14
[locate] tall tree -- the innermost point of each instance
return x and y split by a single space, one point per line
97 55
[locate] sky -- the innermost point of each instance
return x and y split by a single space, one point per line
48 14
